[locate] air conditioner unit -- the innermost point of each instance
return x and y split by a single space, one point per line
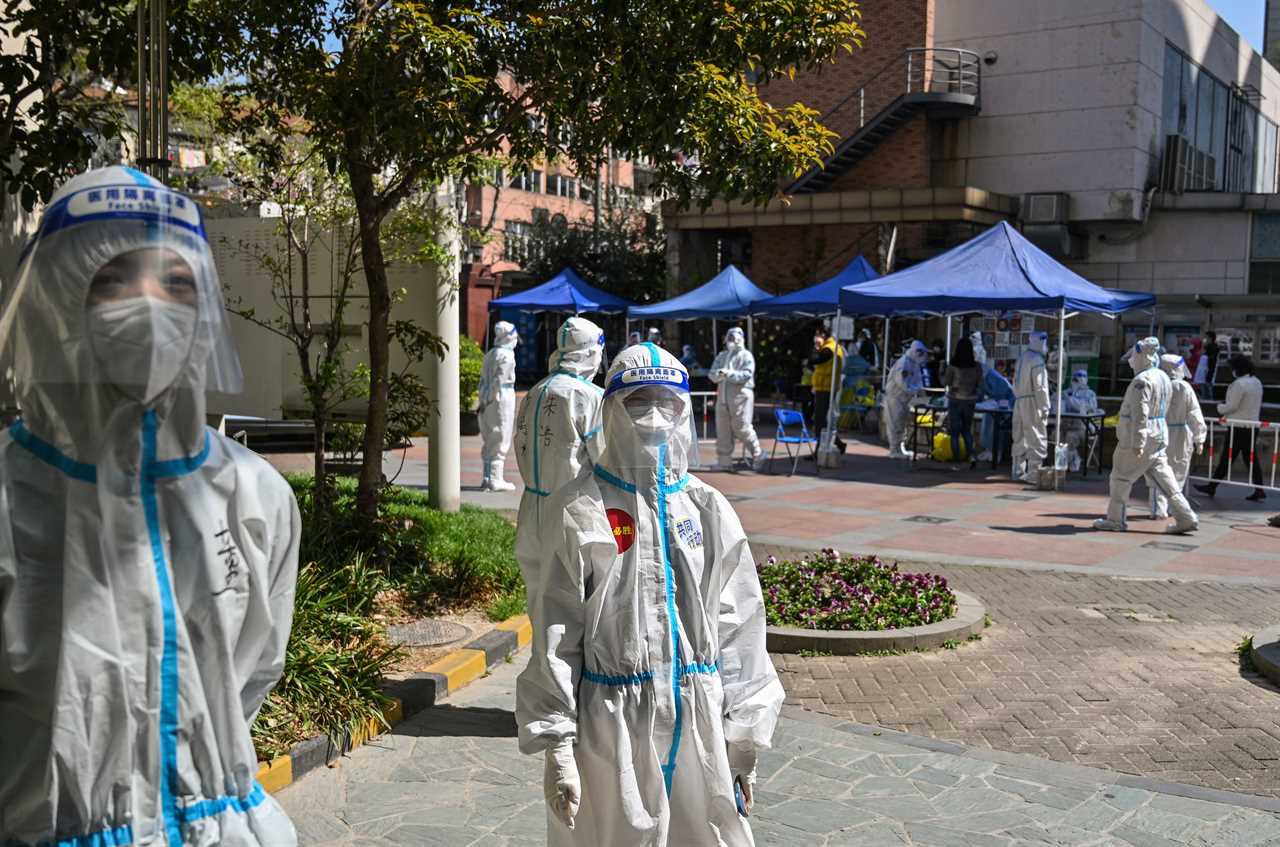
1057 240
1044 208
540 215
1178 165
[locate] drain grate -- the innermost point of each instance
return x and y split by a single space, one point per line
428 632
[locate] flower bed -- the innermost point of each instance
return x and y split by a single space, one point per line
828 591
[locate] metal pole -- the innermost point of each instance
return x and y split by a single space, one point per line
884 358
1057 432
750 344
715 339
946 354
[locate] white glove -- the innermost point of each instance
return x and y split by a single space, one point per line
561 783
742 765
1199 448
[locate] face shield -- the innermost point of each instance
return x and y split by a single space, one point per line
1039 342
655 335
116 300
646 416
734 338
1143 355
579 348
918 353
1080 379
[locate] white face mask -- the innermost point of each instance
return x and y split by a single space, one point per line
142 344
653 426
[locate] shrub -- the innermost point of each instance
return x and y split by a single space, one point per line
470 365
828 591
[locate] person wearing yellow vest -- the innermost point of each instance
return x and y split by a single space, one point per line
826 352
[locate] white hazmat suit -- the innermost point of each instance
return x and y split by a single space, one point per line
649 687
1141 440
906 380
147 563
498 405
557 432
1031 409
734 372
1079 399
1187 431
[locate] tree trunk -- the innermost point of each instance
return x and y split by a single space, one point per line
320 472
375 274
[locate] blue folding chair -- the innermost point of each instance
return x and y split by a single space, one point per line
792 418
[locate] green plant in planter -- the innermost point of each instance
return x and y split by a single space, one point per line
828 591
471 361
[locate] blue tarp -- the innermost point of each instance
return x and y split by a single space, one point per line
997 271
565 292
728 295
820 299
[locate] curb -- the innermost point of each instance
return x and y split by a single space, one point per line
1266 652
969 619
409 696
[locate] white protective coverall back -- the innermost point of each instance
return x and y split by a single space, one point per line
1031 409
649 650
1141 441
734 373
1187 430
498 405
906 379
557 432
147 563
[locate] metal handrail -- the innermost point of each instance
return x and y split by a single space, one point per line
926 70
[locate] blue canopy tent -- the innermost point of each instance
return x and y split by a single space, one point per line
997 271
729 294
820 299
564 292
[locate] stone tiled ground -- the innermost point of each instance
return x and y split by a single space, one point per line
452 777
1137 676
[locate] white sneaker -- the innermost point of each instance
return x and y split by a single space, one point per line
501 485
1104 525
1185 529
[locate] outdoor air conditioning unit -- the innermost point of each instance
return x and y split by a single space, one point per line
1177 165
1044 208
1058 241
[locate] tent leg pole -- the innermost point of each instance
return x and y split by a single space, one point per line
750 343
884 357
1062 364
715 339
946 354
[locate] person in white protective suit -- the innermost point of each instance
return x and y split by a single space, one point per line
1141 440
1187 431
1079 399
654 336
979 351
147 563
649 690
734 372
557 432
906 380
1031 409
498 406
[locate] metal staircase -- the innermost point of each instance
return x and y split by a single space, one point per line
944 82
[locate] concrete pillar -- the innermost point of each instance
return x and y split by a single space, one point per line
444 448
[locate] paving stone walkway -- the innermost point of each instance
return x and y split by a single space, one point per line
452 777
1133 675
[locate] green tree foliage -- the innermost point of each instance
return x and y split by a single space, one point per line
53 116
627 256
402 94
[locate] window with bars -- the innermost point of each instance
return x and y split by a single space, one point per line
526 180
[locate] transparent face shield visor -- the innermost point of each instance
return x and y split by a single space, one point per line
118 288
647 427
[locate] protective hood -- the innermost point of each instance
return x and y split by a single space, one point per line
917 353
979 351
117 311
1039 341
1080 379
1175 366
645 417
1144 355
734 339
655 335
633 338
505 335
579 348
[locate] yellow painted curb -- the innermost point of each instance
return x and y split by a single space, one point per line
460 667
521 626
277 774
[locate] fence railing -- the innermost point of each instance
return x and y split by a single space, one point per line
918 70
1249 440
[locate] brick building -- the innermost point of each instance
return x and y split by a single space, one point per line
1135 140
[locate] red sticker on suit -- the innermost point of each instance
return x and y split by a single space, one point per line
624 528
